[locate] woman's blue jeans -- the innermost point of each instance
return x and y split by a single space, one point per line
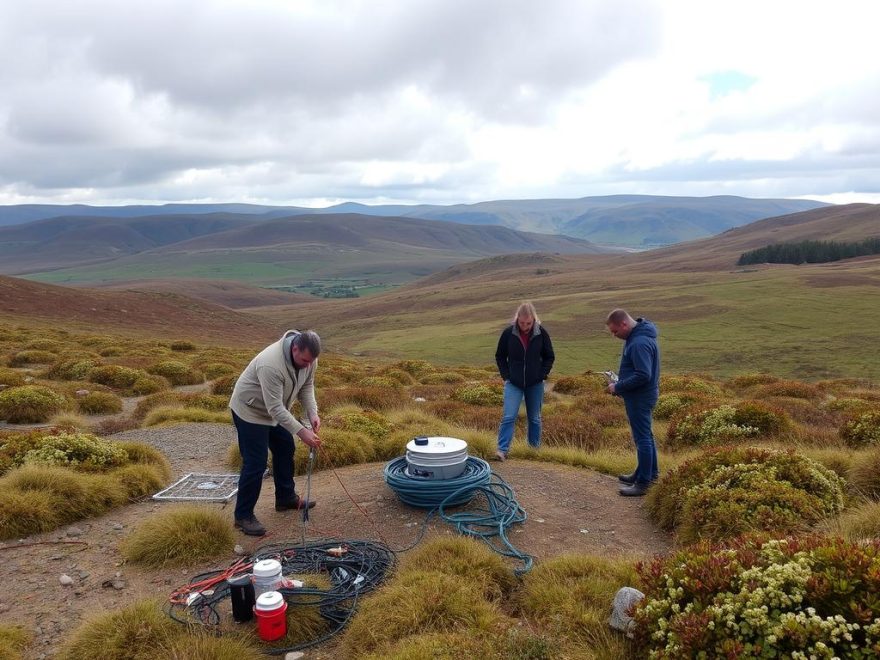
513 397
639 411
254 442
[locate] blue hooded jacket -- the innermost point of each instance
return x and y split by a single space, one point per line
639 373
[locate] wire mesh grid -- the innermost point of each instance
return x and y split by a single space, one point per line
201 488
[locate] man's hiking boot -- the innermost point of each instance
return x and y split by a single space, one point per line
297 504
251 526
636 490
628 479
500 456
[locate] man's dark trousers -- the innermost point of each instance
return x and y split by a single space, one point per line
639 409
254 442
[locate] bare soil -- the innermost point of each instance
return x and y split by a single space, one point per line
569 510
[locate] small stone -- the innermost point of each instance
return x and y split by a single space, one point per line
83 575
294 655
240 551
66 580
82 393
540 520
585 531
117 526
118 584
74 531
419 399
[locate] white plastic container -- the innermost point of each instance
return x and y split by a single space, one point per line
436 457
267 576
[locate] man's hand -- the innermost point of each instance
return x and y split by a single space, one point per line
316 423
309 437
611 388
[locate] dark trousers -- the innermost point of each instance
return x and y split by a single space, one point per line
639 411
254 442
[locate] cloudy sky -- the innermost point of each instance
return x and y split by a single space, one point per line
312 102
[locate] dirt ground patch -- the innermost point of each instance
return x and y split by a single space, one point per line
569 510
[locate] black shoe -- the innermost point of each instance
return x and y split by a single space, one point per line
628 479
296 504
251 526
636 490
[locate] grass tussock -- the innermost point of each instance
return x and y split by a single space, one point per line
70 421
466 558
863 474
203 647
180 536
418 603
13 640
570 598
99 403
861 523
169 415
137 632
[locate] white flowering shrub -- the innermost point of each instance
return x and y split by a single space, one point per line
725 423
795 598
83 451
862 430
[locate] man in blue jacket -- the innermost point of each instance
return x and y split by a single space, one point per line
639 385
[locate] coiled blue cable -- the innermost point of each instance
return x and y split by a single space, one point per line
502 509
430 493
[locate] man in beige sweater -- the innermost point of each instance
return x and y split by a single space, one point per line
260 404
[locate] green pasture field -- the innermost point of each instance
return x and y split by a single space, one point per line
718 323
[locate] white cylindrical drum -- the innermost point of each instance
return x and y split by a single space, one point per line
267 576
436 457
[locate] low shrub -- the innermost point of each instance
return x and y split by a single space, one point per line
790 388
669 405
609 415
30 404
148 384
178 536
375 398
860 431
726 423
850 405
415 368
367 422
15 445
690 385
799 598
480 395
99 403
11 377
116 376
400 376
224 385
177 373
182 345
214 370
75 369
576 384
113 425
82 451
24 358
745 381
733 490
49 345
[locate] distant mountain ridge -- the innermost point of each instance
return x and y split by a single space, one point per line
288 251
624 220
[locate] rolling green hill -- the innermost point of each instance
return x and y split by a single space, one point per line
323 253
807 321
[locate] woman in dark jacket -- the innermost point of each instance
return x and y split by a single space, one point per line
525 358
